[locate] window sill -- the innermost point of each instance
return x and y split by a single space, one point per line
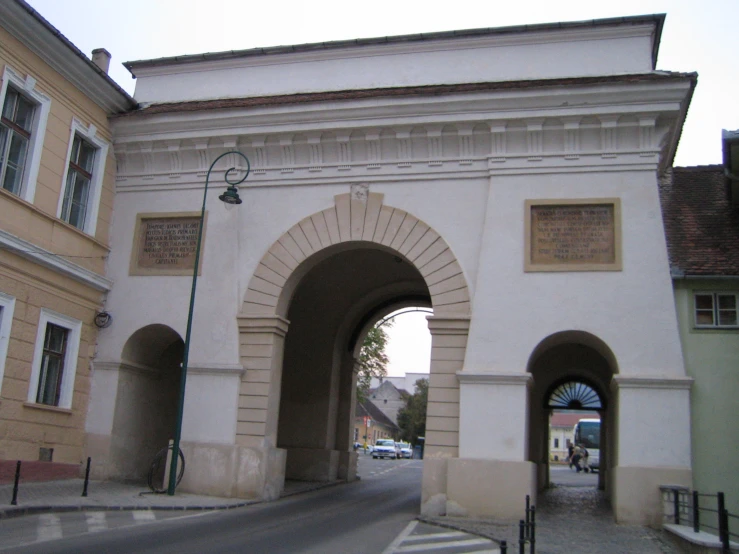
47 408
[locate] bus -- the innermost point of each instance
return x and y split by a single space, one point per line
587 433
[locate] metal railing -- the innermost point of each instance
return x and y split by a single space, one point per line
702 512
526 531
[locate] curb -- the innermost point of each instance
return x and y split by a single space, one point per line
8 513
20 511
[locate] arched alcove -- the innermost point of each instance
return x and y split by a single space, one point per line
146 399
572 370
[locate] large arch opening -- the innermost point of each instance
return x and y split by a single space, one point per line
308 306
146 399
572 372
332 308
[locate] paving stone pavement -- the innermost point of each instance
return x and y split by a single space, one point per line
570 520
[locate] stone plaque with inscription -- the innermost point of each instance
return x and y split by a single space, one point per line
573 236
165 244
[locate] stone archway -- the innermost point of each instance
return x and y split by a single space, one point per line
356 219
571 357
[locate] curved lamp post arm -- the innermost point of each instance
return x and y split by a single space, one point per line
231 196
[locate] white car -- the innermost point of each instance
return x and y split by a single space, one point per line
385 448
405 450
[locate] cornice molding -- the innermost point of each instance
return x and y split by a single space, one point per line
484 378
352 50
236 370
632 382
54 262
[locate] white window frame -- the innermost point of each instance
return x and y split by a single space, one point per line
27 87
74 328
88 133
715 294
7 307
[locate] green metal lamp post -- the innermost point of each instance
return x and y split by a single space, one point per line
231 196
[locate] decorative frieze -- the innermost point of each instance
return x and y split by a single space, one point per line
466 149
517 142
288 154
315 152
203 161
535 139
647 143
259 159
343 141
175 160
609 136
572 138
435 145
405 150
374 151
498 146
147 156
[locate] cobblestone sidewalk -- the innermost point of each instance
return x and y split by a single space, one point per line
570 520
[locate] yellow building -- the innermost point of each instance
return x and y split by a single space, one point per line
57 174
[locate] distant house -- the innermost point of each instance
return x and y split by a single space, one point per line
700 208
389 399
406 382
371 424
561 425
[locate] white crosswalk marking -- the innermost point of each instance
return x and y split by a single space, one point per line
430 539
96 521
449 535
49 528
425 547
141 516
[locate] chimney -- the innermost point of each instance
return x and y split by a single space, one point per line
101 58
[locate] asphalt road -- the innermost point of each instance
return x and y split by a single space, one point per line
362 518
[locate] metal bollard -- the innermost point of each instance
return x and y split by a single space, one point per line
532 535
723 524
696 513
521 539
528 510
87 477
14 502
503 547
676 506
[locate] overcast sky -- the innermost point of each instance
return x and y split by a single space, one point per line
698 36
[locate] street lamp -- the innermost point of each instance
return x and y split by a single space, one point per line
231 196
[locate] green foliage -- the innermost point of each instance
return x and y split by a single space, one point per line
372 359
412 418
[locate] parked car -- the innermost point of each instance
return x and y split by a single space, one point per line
405 450
385 448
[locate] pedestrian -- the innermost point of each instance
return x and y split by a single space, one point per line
570 451
585 455
576 457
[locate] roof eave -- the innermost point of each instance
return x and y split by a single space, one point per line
655 19
42 38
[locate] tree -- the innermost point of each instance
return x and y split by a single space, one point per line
372 359
412 418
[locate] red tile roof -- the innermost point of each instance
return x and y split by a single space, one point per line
701 224
559 419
